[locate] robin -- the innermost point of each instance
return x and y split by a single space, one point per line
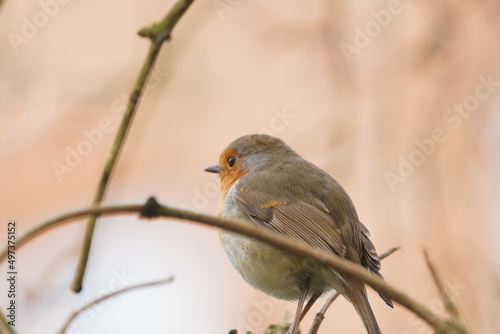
265 183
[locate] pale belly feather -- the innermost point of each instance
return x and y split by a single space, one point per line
271 270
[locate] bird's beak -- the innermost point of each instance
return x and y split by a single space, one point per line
213 169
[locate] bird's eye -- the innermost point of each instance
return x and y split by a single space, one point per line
231 160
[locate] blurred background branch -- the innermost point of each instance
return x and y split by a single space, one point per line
77 312
158 33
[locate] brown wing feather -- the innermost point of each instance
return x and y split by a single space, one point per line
370 259
299 221
308 223
369 256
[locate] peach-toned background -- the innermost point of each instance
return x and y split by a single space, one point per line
233 68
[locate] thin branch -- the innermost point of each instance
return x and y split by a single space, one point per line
4 326
157 32
449 304
37 229
73 315
161 31
152 210
321 314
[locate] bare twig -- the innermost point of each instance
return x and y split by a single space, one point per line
4 326
449 304
73 315
157 32
152 209
161 31
321 314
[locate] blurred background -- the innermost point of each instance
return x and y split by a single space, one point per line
398 100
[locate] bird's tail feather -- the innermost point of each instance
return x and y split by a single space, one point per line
357 295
